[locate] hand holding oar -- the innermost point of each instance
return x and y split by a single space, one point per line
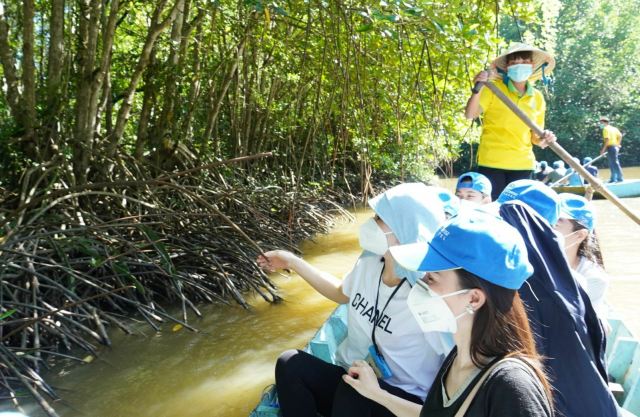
571 173
563 154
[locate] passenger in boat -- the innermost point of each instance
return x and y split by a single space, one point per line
593 170
575 180
475 265
542 199
380 327
566 327
559 171
474 187
543 170
576 224
505 153
612 142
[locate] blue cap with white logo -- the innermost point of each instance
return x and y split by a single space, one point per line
577 208
475 181
536 195
477 242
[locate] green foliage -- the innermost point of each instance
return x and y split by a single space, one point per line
597 75
329 88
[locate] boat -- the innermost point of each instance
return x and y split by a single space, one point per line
323 345
623 359
623 189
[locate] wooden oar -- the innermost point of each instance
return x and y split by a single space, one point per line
571 173
564 155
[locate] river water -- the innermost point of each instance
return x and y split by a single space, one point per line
222 370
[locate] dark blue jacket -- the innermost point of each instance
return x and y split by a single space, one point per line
568 333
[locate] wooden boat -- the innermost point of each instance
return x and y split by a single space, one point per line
626 188
623 358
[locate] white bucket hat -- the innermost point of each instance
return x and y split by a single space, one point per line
540 58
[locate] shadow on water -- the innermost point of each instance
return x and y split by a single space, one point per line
222 371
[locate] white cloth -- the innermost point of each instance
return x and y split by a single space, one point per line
595 281
413 356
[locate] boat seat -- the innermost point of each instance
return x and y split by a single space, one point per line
626 413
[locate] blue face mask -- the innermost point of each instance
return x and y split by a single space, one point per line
520 72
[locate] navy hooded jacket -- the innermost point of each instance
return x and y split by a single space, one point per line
567 332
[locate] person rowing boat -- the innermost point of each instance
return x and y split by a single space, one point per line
505 153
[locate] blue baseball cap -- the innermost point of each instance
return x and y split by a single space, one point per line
475 181
450 201
475 241
558 164
577 208
586 160
536 195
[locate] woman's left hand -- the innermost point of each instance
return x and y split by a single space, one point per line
548 137
362 378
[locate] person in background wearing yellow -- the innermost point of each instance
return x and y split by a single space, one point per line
612 142
506 143
474 187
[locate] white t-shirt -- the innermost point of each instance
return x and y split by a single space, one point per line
413 356
595 281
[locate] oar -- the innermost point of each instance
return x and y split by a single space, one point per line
564 155
571 173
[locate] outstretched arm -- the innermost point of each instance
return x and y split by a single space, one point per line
323 282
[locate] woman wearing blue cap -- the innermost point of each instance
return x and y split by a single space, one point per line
475 264
380 327
576 224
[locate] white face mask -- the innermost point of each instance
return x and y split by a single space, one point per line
372 238
431 311
568 238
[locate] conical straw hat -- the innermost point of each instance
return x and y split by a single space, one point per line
540 58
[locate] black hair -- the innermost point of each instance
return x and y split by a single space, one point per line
521 54
590 247
501 327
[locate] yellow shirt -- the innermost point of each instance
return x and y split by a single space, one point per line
613 134
505 142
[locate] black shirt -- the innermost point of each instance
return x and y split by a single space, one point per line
510 390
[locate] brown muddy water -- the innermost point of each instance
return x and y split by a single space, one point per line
222 370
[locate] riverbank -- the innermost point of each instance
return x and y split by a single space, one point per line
77 262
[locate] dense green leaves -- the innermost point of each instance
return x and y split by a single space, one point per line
330 87
598 52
